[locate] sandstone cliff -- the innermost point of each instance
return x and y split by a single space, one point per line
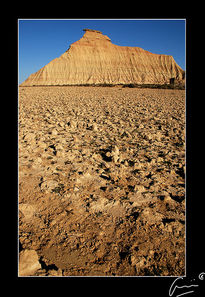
95 60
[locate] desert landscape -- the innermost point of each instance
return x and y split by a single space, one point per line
101 181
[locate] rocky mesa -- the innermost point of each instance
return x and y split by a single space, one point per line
95 60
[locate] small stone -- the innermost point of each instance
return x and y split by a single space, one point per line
42 145
141 262
55 272
159 160
60 154
61 124
108 154
27 210
115 154
138 165
116 150
95 127
59 147
29 136
76 139
169 228
72 124
54 132
134 260
38 160
115 158
151 252
167 198
140 188
49 185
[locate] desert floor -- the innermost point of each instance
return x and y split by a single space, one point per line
101 181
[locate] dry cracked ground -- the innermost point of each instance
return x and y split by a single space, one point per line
101 181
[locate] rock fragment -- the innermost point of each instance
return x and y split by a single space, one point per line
28 263
49 185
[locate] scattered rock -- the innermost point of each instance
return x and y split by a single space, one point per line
140 188
49 185
29 137
54 132
72 124
102 181
27 210
28 263
94 127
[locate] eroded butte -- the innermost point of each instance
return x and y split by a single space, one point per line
94 59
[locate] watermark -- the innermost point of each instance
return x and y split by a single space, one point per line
183 286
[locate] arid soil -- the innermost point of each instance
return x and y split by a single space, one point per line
101 181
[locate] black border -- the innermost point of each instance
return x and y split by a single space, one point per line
140 286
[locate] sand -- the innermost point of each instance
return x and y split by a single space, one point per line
101 181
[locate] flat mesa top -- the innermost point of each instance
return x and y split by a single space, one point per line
90 30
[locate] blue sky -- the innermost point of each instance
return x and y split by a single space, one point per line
41 41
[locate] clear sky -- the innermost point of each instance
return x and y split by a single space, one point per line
41 41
